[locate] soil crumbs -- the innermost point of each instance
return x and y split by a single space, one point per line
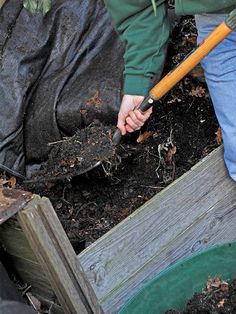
219 297
78 154
180 132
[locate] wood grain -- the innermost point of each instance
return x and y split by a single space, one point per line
196 211
57 257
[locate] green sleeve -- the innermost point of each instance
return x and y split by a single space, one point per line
145 35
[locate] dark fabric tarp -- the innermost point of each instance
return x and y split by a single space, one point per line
57 74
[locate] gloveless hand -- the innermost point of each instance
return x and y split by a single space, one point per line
130 119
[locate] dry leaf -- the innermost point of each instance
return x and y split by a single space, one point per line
170 154
110 134
71 162
12 182
125 213
198 92
144 136
213 283
218 134
224 286
83 112
3 182
221 303
95 100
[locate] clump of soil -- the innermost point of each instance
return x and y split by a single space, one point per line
219 297
79 153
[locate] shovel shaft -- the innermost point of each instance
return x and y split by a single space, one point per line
173 77
190 61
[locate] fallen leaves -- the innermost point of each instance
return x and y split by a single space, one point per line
171 152
221 303
144 136
198 91
95 100
11 183
217 283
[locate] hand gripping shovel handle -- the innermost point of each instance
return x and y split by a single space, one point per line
173 77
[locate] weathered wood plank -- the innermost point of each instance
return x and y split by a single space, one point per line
196 211
57 257
23 260
15 242
53 307
33 274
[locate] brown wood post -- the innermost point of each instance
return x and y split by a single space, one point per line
57 257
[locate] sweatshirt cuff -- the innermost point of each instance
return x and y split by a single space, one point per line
136 85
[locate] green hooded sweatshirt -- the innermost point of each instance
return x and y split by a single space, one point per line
146 34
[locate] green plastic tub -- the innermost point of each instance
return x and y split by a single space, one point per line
173 287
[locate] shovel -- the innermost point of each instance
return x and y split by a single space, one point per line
172 78
190 61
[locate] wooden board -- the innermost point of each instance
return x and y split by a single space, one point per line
196 211
57 257
39 251
23 261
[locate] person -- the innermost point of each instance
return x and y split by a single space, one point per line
146 35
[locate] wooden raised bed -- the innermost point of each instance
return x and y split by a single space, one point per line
196 211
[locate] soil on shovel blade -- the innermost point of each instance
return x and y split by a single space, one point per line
219 297
77 154
181 131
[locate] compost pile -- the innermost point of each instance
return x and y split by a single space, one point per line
181 131
219 297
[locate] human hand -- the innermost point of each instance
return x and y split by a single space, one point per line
130 119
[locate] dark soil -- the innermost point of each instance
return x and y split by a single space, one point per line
180 132
78 154
219 297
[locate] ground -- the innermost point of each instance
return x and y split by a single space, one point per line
181 131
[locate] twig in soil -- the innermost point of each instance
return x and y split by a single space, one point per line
36 304
58 142
152 187
165 147
50 308
107 173
170 139
63 197
161 159
83 207
26 290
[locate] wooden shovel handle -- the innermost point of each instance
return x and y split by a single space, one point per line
173 77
